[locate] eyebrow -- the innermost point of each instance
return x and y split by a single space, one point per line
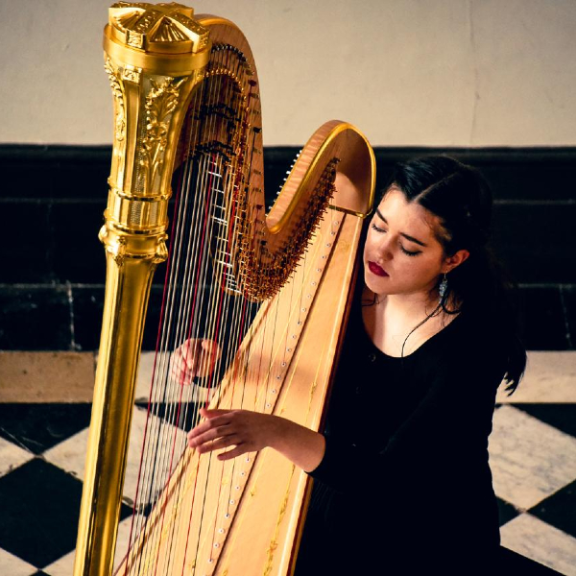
411 238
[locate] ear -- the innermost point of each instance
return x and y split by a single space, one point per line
451 262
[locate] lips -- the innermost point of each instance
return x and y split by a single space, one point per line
377 270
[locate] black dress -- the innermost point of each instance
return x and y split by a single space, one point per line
404 486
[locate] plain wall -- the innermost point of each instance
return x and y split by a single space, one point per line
466 73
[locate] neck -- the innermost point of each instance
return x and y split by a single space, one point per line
410 306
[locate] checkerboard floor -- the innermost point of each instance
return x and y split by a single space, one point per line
532 455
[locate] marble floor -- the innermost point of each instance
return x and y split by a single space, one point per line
45 411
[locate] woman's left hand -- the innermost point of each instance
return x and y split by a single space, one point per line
244 430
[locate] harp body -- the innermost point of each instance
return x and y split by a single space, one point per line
186 99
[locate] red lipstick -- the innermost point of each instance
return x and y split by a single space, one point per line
377 270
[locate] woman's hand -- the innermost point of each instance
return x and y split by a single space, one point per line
244 431
194 358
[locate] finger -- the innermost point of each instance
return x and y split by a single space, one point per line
218 444
209 435
189 351
234 453
212 348
215 422
182 376
214 412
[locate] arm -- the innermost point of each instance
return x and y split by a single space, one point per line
247 431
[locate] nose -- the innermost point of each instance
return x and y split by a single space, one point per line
385 249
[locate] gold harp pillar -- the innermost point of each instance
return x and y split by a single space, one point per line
155 56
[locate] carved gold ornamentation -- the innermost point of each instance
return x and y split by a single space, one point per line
161 102
168 28
154 57
118 93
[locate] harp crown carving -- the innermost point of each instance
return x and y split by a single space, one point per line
163 28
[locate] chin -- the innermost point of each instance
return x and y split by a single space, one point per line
375 284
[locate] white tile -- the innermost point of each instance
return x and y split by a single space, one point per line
530 460
541 542
124 537
13 566
549 377
70 455
11 456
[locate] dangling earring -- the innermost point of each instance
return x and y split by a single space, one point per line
443 287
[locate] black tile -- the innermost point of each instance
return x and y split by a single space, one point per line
152 318
88 306
568 295
38 427
41 500
506 512
27 178
511 563
535 241
558 509
34 318
26 253
54 171
542 318
277 161
561 416
88 302
40 506
90 174
78 253
182 415
546 180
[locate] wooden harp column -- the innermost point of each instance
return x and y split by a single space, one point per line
157 58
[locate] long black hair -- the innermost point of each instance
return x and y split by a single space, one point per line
461 198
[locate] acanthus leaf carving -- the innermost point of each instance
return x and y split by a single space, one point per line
118 93
161 102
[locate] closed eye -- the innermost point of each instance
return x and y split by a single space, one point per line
408 252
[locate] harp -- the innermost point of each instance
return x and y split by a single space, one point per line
272 288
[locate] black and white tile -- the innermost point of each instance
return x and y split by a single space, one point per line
532 451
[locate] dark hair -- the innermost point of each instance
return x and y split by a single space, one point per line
461 198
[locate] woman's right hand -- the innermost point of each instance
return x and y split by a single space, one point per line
195 357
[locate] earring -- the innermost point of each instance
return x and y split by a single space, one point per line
443 287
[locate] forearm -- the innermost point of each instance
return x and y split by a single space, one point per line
241 431
302 446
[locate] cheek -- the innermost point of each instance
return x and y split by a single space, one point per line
420 268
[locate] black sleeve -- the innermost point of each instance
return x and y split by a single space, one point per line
449 427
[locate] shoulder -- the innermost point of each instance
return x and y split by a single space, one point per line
472 356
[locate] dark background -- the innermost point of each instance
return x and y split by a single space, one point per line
53 266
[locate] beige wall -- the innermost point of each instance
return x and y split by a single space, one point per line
408 72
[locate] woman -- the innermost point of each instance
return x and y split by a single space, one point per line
402 483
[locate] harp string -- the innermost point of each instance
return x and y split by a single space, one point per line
136 521
294 312
220 299
161 355
215 172
188 306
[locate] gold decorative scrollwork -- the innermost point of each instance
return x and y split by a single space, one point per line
161 102
118 93
154 27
